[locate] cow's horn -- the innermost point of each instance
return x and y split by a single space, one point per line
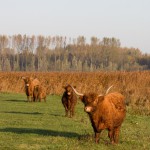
108 89
100 95
79 94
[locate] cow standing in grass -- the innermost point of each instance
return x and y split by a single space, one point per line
69 100
30 83
105 112
39 93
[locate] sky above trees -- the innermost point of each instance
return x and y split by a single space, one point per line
127 20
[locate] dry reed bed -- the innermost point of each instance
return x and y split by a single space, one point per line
134 85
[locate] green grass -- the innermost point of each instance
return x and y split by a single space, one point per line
42 126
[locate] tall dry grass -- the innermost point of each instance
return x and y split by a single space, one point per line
134 85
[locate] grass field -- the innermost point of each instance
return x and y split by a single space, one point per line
42 126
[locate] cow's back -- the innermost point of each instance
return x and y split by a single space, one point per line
36 82
117 99
33 83
116 108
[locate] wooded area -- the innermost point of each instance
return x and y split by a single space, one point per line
46 53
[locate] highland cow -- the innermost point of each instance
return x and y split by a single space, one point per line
69 100
39 93
30 83
105 112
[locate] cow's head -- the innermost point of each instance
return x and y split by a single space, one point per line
68 89
27 81
91 100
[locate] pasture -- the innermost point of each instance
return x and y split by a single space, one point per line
41 126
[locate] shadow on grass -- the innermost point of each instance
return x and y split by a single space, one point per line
57 115
40 132
26 113
14 100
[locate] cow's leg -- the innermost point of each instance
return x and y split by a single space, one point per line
116 134
71 114
71 111
111 135
97 136
69 108
32 99
66 111
37 99
28 98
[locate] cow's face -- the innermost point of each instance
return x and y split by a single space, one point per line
68 90
90 101
27 81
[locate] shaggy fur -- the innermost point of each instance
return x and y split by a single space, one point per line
105 112
30 83
69 100
39 93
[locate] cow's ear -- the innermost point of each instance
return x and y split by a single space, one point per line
24 78
100 98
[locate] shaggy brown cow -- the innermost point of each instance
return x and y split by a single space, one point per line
69 100
105 112
39 93
30 83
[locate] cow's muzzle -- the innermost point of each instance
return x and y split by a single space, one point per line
68 93
88 109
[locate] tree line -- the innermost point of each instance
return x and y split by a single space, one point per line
57 53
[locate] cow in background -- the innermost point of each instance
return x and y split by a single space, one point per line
105 112
30 83
69 100
39 93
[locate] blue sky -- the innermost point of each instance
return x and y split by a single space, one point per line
127 20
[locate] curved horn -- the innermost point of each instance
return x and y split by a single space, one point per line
79 94
23 77
100 95
108 89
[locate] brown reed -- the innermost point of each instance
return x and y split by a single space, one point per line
134 85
